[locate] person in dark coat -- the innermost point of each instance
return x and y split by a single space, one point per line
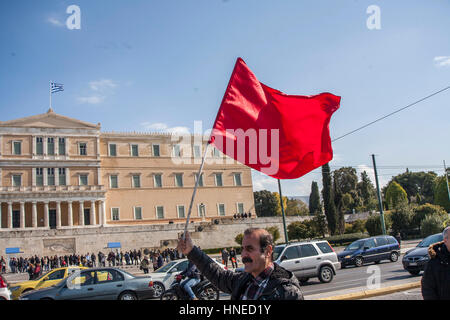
261 280
436 277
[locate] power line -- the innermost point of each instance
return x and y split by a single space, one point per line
390 114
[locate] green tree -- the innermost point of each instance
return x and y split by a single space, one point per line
285 201
402 217
367 192
274 232
441 194
373 224
314 198
422 211
296 208
418 185
395 195
431 224
320 223
298 230
328 199
265 203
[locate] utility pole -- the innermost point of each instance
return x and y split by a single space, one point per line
380 202
446 179
282 213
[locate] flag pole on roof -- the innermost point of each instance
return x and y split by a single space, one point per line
55 87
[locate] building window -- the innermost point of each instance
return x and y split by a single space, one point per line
83 149
237 179
177 151
136 181
62 176
221 209
158 180
39 146
181 213
178 179
83 179
50 146
61 146
201 209
156 150
17 180
138 213
197 153
218 178
112 150
50 176
115 214
39 177
134 150
17 147
113 183
160 212
200 182
240 208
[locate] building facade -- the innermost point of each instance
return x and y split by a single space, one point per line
57 173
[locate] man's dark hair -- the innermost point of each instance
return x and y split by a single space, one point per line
265 239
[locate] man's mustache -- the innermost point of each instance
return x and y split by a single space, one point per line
246 259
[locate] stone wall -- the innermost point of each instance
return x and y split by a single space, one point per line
215 234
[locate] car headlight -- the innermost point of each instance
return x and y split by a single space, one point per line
348 257
14 288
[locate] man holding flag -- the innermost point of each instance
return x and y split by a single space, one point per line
296 131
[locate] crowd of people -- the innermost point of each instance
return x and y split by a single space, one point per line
35 265
242 215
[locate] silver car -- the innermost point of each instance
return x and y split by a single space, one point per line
97 284
308 260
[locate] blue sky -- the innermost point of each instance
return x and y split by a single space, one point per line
161 65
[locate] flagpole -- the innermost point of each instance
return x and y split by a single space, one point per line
282 213
50 93
195 189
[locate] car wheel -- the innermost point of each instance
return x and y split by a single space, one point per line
303 280
159 289
169 295
209 293
414 272
394 256
128 295
325 274
359 261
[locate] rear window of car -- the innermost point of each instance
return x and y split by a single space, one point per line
324 247
308 250
392 240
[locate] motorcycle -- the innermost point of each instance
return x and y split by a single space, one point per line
204 290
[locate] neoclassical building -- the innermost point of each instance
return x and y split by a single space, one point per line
61 173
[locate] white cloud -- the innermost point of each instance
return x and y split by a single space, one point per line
55 22
263 182
442 61
91 99
102 85
383 180
163 127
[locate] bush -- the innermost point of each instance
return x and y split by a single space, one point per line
357 226
431 224
402 218
274 232
425 210
373 224
345 239
238 239
298 230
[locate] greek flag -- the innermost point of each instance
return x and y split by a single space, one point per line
56 87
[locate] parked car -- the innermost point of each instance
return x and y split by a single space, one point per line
97 284
44 281
5 294
165 276
308 260
417 258
373 249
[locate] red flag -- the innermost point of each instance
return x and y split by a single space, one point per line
283 136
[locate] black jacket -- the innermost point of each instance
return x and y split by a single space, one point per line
282 285
191 271
436 278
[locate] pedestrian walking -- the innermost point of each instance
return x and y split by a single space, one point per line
225 256
145 263
233 258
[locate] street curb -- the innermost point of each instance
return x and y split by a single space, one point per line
375 292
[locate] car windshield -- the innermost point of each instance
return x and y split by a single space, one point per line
355 245
430 240
166 267
277 252
43 275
